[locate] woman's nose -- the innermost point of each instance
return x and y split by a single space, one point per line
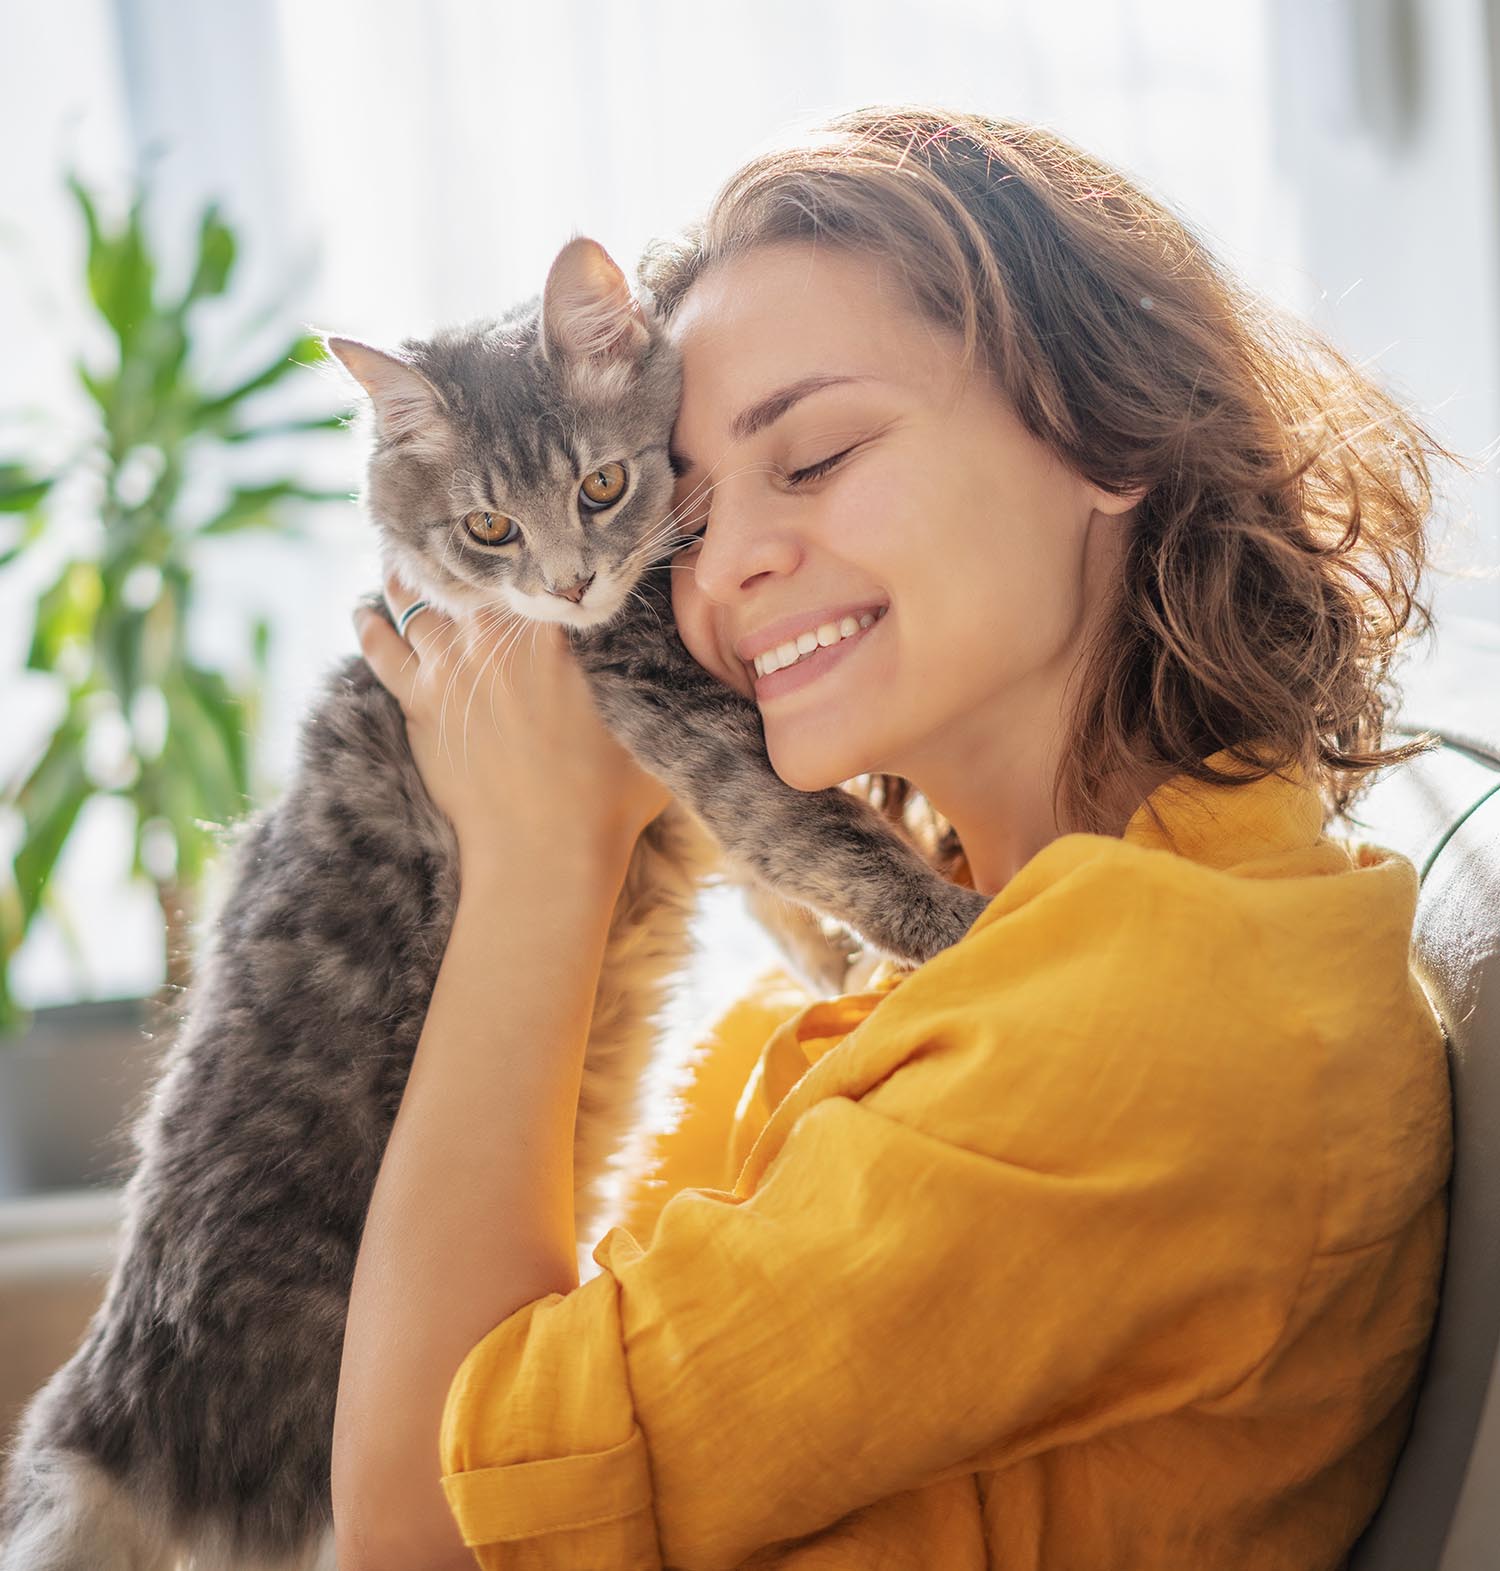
742 540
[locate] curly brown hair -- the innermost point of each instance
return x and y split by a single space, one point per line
1274 562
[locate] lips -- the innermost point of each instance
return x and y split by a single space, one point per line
788 627
810 668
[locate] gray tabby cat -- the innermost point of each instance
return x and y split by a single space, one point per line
195 1420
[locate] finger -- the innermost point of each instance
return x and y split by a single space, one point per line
388 655
416 621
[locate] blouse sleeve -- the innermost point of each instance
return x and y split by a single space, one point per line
891 1306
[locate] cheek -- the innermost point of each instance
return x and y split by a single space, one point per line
694 616
883 522
688 606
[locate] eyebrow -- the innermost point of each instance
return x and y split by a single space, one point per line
768 410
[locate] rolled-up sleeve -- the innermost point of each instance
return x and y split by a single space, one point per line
886 1310
550 1459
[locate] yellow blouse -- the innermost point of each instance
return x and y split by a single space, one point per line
1109 1238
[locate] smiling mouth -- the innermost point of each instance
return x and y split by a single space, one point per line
809 666
795 651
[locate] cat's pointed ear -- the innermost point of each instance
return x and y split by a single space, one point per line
408 408
593 326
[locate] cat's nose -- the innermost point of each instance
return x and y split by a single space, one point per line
578 591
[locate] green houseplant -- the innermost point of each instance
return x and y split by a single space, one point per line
111 623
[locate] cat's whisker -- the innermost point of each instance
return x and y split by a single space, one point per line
419 646
638 594
509 646
448 687
658 537
514 640
489 618
534 631
689 502
652 609
484 621
450 540
656 532
504 652
498 666
443 744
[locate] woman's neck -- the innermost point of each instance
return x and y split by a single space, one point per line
1001 830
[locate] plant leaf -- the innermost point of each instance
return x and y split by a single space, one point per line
120 644
65 614
20 490
291 427
12 1016
304 350
121 273
259 507
260 646
32 531
168 345
225 711
50 802
90 215
216 257
100 388
204 753
194 785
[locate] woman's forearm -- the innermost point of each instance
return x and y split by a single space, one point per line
472 1216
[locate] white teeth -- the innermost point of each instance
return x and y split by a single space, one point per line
793 650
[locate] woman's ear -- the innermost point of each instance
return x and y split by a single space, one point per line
1112 502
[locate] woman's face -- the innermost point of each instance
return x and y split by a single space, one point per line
940 507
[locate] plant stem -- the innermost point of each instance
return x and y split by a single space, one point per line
177 923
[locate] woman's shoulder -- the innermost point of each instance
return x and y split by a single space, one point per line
1231 897
1244 998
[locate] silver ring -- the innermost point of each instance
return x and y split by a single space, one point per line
404 620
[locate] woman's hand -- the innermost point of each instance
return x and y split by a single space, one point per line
506 736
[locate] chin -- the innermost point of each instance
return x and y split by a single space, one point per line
811 774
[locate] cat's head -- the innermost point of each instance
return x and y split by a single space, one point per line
515 460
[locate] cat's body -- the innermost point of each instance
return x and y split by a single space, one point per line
194 1423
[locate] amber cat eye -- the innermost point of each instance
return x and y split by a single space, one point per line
487 528
604 485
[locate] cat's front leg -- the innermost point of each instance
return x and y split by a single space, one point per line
828 849
836 854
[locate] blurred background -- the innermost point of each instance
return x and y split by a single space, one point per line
189 190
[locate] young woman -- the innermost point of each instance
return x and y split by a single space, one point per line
1112 1235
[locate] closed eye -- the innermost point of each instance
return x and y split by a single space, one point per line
816 471
796 478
